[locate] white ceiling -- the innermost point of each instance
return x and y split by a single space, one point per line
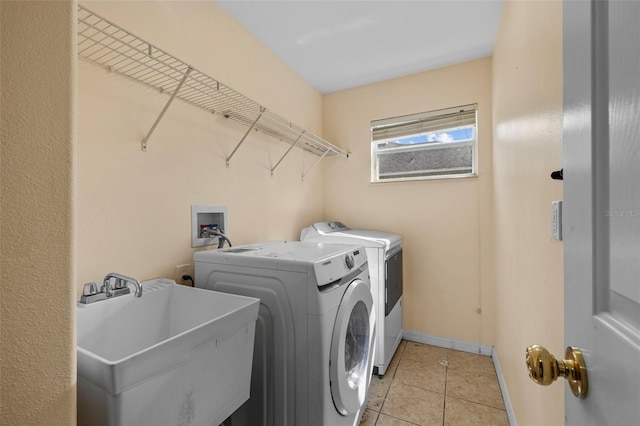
336 45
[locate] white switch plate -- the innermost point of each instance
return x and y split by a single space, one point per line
556 220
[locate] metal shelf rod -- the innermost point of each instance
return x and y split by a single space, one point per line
244 137
316 163
166 107
288 150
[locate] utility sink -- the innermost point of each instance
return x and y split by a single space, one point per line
175 356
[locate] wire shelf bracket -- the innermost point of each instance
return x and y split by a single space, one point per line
253 125
109 46
285 154
314 164
166 107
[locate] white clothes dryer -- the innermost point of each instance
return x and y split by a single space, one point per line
384 253
315 333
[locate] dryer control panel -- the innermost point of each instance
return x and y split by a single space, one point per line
337 267
327 227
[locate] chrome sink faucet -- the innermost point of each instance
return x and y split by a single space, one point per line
120 287
121 283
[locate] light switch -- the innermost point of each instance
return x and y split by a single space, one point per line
556 220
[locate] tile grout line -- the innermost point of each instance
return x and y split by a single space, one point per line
398 418
446 375
392 378
477 403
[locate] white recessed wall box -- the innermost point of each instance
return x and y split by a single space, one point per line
203 217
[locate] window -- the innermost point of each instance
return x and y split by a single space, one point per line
433 144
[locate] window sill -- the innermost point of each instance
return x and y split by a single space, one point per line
426 178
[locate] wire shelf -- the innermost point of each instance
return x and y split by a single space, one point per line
105 44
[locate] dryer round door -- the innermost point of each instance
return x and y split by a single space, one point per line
352 348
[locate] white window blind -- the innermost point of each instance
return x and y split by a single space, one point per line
425 122
439 143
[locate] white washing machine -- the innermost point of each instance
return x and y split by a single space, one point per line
315 333
384 252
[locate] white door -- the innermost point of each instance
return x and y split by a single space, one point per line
601 223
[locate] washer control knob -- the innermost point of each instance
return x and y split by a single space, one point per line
349 261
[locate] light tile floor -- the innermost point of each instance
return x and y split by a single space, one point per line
428 385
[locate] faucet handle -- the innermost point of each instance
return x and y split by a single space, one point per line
90 289
119 283
91 293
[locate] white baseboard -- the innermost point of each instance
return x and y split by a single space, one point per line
503 388
445 342
471 347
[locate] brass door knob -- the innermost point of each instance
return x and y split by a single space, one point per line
544 369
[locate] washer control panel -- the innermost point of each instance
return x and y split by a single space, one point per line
349 261
335 268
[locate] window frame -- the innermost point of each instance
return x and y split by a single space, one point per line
423 119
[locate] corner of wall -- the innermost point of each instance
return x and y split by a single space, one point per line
527 122
37 251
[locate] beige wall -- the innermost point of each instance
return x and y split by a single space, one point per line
527 114
37 267
133 206
445 224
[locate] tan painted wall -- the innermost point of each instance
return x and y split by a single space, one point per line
133 206
37 267
445 224
527 113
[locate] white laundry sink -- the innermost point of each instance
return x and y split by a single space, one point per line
177 355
